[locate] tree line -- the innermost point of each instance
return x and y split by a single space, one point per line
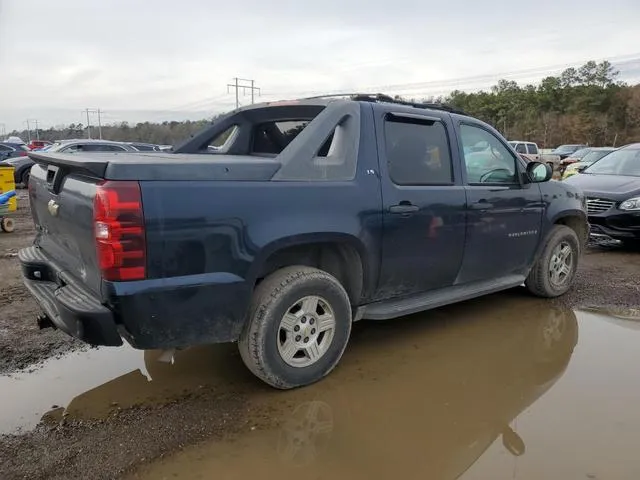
584 105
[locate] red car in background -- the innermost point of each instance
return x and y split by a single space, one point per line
38 144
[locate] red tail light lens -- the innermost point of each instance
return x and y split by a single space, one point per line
119 231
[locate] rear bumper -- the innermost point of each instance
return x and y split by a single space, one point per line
69 306
149 314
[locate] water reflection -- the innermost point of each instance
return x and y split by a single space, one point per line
418 398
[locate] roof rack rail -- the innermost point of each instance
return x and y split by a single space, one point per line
383 98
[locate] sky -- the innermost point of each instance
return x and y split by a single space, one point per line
159 60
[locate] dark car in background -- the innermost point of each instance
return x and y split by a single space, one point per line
144 147
590 158
11 150
574 157
611 186
22 163
563 151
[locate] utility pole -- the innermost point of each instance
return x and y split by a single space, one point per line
88 123
99 125
28 130
237 86
37 131
99 113
4 130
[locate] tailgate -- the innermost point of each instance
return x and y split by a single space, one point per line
62 207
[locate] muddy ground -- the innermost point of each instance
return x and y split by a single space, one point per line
22 344
116 443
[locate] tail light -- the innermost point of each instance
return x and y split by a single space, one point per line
119 231
22 153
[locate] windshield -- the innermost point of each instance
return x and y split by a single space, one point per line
620 162
580 153
567 148
594 156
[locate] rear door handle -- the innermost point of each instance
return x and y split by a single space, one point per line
481 205
404 207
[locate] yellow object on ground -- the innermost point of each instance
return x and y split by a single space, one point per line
7 184
571 170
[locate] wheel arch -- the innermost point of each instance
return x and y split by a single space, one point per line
577 221
341 255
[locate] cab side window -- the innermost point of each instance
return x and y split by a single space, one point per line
486 158
520 148
417 152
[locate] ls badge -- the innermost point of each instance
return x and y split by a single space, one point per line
53 208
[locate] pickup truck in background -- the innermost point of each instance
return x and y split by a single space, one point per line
532 153
307 215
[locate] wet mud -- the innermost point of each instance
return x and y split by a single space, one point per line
480 390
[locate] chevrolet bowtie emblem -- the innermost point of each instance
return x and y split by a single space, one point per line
53 208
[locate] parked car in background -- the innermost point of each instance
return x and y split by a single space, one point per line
531 152
528 149
144 147
22 164
284 238
38 144
612 188
563 151
591 157
12 150
574 157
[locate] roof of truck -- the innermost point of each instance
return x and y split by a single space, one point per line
356 97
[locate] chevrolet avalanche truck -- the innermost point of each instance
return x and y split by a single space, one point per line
281 224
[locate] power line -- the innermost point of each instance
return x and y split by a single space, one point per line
237 86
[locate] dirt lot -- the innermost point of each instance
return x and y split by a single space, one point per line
21 342
137 422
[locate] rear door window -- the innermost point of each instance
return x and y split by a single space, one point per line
532 149
418 152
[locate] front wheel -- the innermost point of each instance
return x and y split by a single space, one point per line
298 327
25 178
553 273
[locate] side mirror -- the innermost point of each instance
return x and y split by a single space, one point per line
539 172
512 442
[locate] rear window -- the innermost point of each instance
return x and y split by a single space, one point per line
271 138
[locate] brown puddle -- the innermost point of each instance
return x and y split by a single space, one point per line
502 387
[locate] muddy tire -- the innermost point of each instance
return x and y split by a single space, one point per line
553 273
7 224
24 179
298 327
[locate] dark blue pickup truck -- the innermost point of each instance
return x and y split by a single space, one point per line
281 224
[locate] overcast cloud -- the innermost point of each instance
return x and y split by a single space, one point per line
166 59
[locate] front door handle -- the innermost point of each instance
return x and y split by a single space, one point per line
481 205
404 207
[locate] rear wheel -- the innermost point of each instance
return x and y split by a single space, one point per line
298 327
554 271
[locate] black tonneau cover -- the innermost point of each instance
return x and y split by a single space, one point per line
154 166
